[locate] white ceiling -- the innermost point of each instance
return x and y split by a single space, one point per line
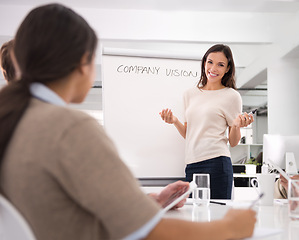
175 5
249 52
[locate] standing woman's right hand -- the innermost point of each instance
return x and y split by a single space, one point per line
167 116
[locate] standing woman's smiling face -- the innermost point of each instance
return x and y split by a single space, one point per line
215 67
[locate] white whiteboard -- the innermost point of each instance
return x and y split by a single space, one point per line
135 90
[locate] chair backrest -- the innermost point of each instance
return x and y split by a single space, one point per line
12 224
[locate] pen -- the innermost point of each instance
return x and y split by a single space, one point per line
220 203
255 201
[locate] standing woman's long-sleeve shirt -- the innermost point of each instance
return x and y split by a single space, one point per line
208 113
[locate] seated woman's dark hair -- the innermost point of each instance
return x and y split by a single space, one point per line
48 46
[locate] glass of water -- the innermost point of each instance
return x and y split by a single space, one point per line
293 196
201 195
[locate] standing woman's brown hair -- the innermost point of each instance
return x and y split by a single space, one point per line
228 79
48 46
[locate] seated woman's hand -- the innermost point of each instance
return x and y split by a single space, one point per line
170 192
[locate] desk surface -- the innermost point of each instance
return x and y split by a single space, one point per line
268 217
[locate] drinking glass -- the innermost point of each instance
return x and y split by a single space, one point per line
201 195
293 196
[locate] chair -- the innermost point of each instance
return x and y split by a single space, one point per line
12 224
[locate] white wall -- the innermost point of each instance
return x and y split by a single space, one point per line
283 97
260 127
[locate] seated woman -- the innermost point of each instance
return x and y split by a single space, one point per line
281 187
58 167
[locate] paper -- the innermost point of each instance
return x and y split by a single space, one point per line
190 201
264 232
239 204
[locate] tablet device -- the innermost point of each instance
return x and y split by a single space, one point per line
179 196
283 173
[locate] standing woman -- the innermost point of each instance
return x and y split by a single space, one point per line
210 108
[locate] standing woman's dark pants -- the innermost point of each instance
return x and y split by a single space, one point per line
221 175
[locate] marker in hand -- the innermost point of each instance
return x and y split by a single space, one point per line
253 111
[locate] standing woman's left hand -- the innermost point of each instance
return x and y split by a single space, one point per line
243 120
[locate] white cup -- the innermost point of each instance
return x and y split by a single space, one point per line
266 186
293 196
201 195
